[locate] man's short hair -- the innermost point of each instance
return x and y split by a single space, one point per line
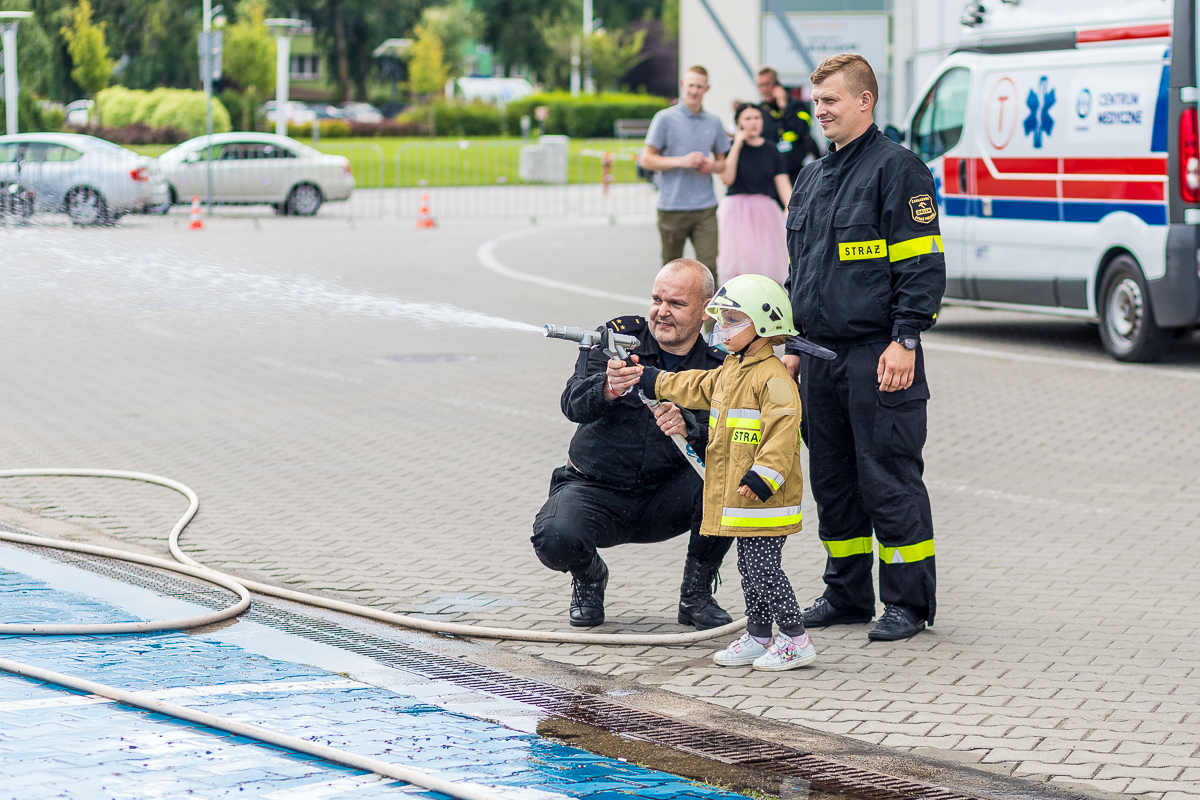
708 286
699 70
769 71
857 72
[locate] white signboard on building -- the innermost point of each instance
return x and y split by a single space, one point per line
827 35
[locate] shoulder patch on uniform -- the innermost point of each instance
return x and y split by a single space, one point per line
630 323
780 391
922 208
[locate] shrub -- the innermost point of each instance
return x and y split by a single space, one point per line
585 116
389 127
455 119
185 109
330 129
148 104
32 116
137 133
116 104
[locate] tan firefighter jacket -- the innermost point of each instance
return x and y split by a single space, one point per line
754 425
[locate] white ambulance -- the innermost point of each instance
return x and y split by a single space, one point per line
1063 139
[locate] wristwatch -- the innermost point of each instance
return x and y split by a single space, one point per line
908 342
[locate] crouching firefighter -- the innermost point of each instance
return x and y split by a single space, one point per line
625 480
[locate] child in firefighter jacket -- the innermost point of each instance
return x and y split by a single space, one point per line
753 483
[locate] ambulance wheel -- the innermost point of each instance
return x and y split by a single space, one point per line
1127 326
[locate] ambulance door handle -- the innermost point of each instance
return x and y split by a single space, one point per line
962 176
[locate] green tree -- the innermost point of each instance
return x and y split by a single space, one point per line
347 32
427 67
514 29
85 43
427 70
34 50
457 24
614 54
249 56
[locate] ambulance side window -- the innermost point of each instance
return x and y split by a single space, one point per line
938 123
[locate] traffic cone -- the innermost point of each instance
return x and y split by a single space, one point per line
196 224
424 219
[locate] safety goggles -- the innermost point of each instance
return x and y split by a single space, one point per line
722 332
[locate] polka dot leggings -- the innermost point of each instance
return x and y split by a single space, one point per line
768 592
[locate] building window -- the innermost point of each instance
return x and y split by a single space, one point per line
305 67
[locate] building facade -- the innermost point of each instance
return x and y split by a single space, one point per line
903 39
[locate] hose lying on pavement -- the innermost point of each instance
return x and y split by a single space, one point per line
241 588
462 790
209 574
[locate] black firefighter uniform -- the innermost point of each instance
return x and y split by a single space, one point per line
867 269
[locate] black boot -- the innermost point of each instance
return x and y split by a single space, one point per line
696 604
587 593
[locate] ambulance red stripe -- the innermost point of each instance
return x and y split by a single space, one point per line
1113 190
1160 30
1115 166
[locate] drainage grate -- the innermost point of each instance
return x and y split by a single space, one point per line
722 746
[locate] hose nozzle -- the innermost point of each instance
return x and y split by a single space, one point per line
588 338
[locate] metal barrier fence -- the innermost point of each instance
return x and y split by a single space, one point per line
97 183
477 179
93 182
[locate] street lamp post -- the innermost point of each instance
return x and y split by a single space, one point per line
589 25
8 24
210 69
283 29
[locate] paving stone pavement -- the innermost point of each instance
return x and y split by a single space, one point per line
343 438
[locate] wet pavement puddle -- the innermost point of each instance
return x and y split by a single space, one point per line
60 743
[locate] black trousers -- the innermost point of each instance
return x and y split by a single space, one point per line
582 515
866 469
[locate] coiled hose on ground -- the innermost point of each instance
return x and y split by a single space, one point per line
186 565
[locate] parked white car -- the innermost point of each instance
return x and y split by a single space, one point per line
252 168
91 180
79 113
297 113
362 112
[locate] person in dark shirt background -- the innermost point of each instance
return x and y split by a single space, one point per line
787 122
750 217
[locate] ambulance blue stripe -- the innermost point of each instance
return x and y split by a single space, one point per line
1094 212
1025 209
1048 210
1158 139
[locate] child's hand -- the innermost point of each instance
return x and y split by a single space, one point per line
622 378
746 491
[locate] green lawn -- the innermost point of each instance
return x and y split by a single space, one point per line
447 161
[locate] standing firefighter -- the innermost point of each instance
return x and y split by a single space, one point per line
866 277
787 123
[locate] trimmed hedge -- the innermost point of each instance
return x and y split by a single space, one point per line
585 116
339 128
455 119
179 109
136 133
115 106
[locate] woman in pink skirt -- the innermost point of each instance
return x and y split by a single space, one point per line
750 218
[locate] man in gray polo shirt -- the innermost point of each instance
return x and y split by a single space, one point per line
686 145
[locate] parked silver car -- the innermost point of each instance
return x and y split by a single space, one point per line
93 181
257 168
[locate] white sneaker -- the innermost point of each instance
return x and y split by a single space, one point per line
786 653
744 651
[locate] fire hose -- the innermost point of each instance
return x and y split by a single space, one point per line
186 565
